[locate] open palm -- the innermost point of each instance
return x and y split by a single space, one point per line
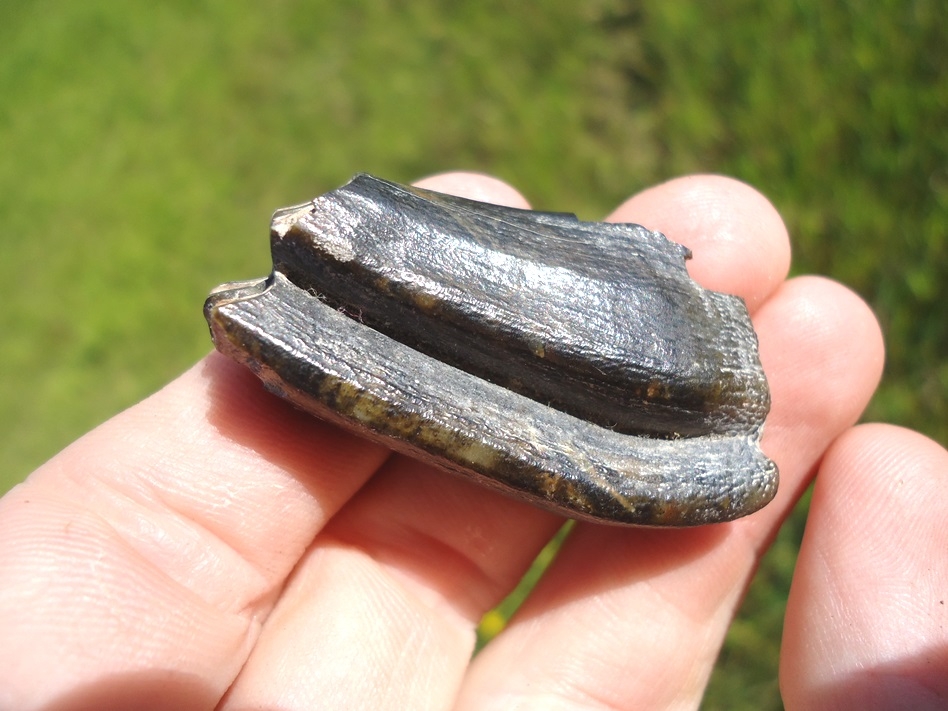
212 547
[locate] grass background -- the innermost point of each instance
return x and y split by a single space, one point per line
144 145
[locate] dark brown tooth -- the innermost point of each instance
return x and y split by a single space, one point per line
573 364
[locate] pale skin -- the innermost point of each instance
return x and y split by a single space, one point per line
212 547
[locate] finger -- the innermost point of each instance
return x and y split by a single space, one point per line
148 552
382 609
738 241
867 620
635 618
474 186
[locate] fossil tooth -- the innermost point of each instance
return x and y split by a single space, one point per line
573 364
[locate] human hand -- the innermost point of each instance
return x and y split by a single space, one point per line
213 547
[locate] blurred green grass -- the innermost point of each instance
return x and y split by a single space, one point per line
145 145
